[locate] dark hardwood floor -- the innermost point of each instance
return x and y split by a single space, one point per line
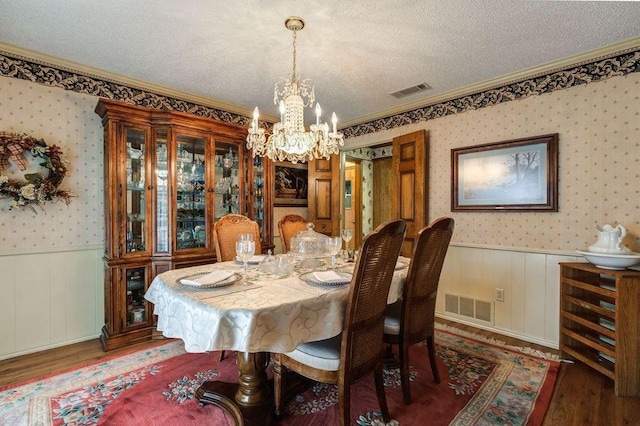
581 396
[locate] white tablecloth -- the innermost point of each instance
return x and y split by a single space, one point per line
268 315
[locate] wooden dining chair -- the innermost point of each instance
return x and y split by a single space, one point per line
358 350
411 319
225 235
289 226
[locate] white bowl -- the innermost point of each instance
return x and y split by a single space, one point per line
612 261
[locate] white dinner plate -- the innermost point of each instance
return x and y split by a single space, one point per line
310 279
228 281
256 259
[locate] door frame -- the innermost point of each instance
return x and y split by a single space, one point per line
356 198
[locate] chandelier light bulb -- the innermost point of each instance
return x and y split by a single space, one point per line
289 140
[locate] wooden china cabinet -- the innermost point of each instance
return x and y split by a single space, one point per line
168 177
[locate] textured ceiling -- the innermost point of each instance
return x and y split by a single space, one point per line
356 53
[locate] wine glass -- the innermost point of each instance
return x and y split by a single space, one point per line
333 245
245 249
347 234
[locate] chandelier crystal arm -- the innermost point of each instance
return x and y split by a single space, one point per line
289 140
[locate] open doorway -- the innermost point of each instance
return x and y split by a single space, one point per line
352 199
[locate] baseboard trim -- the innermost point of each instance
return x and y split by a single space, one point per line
503 332
47 347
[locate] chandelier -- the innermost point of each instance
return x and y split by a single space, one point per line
289 139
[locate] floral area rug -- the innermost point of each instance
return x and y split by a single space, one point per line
482 383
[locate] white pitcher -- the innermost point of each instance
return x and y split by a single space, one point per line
610 240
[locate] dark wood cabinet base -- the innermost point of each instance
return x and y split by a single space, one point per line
124 339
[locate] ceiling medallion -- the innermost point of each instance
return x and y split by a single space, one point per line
289 140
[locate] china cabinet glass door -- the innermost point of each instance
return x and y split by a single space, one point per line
228 187
190 195
162 192
135 204
136 313
257 194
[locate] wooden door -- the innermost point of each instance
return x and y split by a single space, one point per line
383 191
324 195
410 178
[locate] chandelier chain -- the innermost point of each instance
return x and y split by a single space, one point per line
293 73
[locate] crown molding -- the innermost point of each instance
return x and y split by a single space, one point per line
75 67
532 72
626 46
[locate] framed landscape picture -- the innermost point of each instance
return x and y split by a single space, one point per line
518 175
291 184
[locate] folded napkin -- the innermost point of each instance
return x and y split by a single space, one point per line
328 277
209 279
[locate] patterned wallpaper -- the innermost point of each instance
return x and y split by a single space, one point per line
599 164
597 124
598 70
67 119
26 69
616 64
367 196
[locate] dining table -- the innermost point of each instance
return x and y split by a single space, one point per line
255 315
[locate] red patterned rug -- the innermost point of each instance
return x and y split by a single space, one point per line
483 382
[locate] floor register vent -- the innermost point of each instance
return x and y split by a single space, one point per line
466 307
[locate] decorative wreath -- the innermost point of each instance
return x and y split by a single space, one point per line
36 189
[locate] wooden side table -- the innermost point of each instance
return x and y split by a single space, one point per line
600 322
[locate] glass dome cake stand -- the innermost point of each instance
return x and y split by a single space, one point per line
309 246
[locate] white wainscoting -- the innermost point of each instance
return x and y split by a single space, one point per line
530 280
50 299
56 298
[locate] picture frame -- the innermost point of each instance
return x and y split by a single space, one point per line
519 175
291 184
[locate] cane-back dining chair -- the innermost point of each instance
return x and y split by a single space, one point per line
288 227
226 231
411 319
359 349
225 236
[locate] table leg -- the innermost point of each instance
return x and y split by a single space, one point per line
250 401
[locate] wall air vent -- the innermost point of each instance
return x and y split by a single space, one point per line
480 311
411 90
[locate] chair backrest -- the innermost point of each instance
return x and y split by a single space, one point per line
289 226
421 286
226 231
362 346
